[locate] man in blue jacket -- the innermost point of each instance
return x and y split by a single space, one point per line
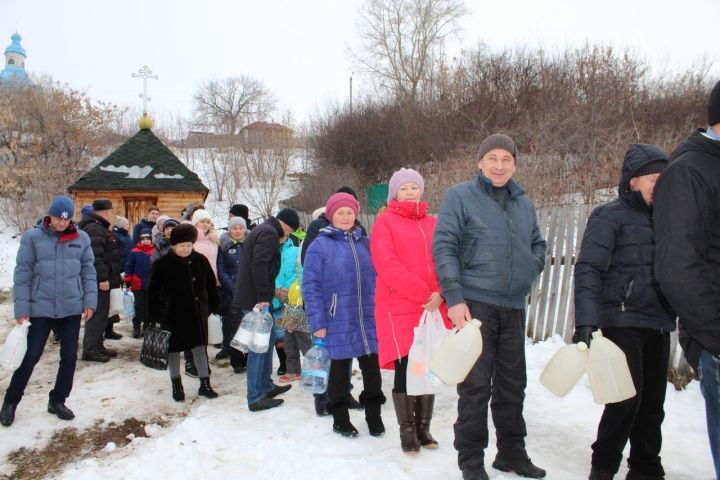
488 250
54 283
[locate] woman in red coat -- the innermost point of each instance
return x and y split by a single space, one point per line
401 247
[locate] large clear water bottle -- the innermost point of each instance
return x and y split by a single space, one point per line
262 324
316 367
243 339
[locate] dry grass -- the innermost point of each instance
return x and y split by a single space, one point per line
71 445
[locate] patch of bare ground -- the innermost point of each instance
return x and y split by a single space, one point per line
70 445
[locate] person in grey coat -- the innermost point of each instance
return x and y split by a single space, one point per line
488 250
54 284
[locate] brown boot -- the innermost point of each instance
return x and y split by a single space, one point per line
423 413
405 411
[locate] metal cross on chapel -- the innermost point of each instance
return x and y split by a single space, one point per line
145 73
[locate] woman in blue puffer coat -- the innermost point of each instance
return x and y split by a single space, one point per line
338 289
228 266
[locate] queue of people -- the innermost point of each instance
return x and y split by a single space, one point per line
647 258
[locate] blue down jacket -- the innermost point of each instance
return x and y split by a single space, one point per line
54 273
338 288
483 253
228 266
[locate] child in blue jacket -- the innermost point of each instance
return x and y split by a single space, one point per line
137 276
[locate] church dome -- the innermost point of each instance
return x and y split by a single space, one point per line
15 46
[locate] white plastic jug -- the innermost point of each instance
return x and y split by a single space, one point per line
263 324
608 372
565 368
458 353
215 334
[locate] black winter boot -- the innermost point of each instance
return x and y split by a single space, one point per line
7 414
423 413
521 465
405 412
597 474
341 422
205 389
178 393
373 418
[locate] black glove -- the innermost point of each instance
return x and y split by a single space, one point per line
583 334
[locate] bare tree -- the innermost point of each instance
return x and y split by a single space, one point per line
401 40
226 105
266 172
49 133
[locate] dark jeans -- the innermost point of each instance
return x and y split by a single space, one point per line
498 377
69 328
639 418
95 327
339 378
140 317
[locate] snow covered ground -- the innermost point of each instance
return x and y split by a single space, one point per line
222 438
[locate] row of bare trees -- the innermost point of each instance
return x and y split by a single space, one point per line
573 114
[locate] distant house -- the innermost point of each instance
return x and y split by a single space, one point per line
256 135
141 172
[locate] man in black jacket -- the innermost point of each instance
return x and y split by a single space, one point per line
687 260
255 287
615 290
107 265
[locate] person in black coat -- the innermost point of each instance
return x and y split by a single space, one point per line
181 295
616 291
255 287
687 264
108 267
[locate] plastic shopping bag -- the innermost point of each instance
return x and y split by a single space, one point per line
116 302
429 334
128 305
15 347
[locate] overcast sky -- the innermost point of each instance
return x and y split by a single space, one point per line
298 47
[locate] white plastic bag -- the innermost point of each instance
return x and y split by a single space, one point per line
128 305
215 335
116 302
15 347
429 334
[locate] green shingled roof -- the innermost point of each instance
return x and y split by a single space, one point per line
143 163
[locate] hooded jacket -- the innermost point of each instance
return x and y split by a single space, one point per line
401 246
54 273
105 248
484 253
338 287
687 234
614 281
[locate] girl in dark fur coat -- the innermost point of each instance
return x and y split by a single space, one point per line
181 295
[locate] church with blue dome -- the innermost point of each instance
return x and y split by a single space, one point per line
14 71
